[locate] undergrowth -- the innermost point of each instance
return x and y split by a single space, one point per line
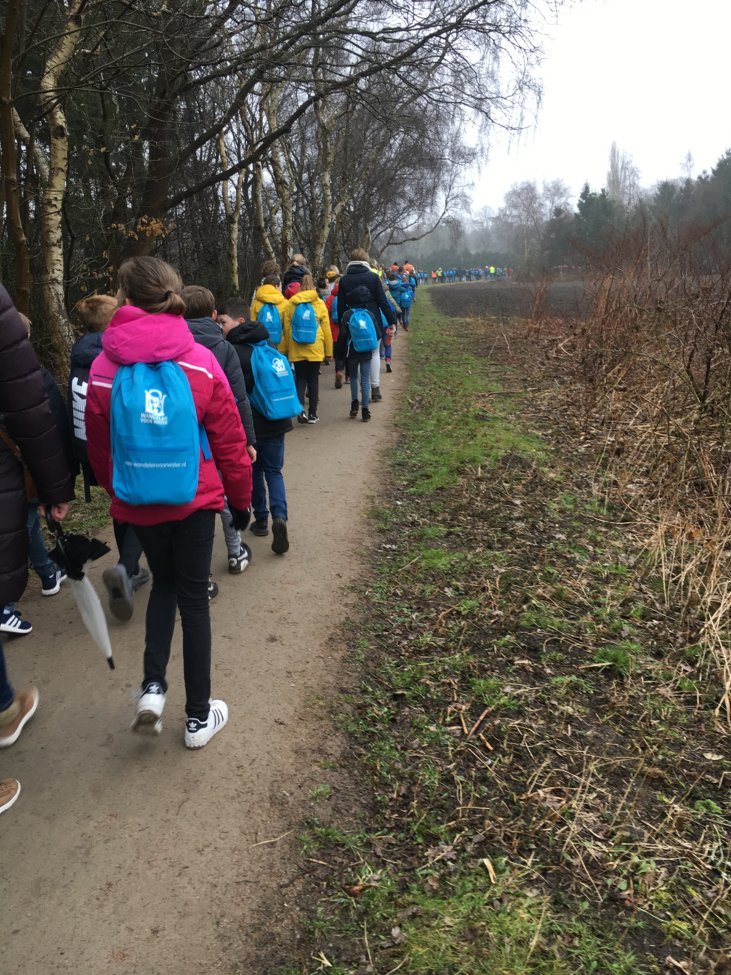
544 791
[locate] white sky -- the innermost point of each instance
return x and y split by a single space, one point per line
651 75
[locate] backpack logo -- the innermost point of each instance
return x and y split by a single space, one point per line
154 407
280 366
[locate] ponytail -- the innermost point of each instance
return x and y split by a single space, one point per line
152 285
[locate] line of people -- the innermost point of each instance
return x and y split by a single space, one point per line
172 453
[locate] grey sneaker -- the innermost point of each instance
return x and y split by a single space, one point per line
139 578
121 595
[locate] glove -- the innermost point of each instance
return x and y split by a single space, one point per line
240 518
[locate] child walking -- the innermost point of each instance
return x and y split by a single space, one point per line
177 538
307 342
358 360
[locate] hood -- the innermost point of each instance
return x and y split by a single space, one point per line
302 297
134 335
248 332
205 331
360 297
86 349
357 267
267 294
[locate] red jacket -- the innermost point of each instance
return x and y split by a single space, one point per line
334 326
132 336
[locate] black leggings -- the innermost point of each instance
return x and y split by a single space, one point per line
307 376
179 555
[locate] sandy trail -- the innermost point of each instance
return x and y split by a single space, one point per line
131 854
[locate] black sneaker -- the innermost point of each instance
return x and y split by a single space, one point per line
354 409
313 418
376 395
121 594
366 415
259 527
302 418
280 543
212 589
388 367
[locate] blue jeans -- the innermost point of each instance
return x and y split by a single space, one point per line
266 472
6 691
42 563
364 368
37 551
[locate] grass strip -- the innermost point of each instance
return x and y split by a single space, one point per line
542 795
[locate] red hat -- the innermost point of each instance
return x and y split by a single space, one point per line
292 288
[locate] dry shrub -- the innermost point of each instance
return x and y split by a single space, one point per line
653 364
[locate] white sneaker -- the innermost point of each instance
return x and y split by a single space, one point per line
199 733
150 706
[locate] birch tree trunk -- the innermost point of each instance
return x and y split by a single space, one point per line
232 211
52 279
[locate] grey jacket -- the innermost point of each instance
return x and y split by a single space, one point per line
206 332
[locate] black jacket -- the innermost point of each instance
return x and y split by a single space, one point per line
359 275
294 272
360 297
242 337
83 353
30 423
206 332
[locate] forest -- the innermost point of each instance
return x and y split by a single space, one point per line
217 134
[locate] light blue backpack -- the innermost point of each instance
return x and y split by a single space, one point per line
274 394
304 324
155 435
270 318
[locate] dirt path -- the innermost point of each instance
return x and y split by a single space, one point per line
131 854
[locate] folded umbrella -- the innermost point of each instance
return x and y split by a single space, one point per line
74 553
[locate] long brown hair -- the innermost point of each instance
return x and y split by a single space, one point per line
307 283
151 284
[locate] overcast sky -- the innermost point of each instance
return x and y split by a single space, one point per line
651 75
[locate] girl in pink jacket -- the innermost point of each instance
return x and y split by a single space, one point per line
177 539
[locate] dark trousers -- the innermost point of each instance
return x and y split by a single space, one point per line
307 376
129 545
179 556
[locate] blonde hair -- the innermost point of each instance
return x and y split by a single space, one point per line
300 259
152 285
359 255
95 312
307 283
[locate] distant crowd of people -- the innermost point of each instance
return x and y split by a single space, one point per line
178 407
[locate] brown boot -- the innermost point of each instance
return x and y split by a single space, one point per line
9 792
14 718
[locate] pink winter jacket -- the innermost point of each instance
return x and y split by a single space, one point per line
132 336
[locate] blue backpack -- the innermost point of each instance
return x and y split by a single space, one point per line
304 324
274 394
155 435
407 296
270 318
362 330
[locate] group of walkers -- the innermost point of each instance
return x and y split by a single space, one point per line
178 409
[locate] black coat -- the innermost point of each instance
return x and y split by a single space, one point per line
343 349
294 272
359 275
30 423
242 337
